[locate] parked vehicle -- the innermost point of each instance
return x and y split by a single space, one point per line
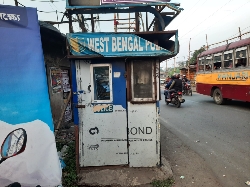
187 90
175 99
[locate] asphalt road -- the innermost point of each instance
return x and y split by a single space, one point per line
219 134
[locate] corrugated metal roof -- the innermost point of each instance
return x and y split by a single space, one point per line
226 47
50 27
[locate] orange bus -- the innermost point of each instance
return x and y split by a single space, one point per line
224 72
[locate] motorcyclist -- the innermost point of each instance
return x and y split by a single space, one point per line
184 78
175 86
168 85
184 81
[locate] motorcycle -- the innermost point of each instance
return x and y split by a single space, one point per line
175 99
187 90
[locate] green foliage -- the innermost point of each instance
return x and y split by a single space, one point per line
69 175
163 183
171 71
195 54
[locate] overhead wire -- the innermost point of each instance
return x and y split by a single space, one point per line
223 18
206 19
194 10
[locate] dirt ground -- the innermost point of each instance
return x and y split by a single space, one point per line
189 169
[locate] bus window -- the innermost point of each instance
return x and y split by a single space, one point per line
201 64
228 60
208 65
217 61
217 65
241 58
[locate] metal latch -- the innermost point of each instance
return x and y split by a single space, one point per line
80 106
79 92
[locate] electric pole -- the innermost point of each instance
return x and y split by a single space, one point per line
189 59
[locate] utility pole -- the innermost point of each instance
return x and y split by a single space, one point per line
189 58
174 64
239 33
16 2
206 41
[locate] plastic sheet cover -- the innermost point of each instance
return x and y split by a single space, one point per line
24 100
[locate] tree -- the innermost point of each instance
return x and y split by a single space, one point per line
195 54
182 64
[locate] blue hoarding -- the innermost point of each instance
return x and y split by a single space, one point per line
24 100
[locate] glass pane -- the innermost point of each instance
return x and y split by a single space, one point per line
201 67
241 54
228 64
208 67
217 59
209 61
142 78
101 83
241 62
217 65
228 56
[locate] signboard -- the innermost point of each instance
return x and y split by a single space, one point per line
25 101
84 2
133 1
113 45
99 2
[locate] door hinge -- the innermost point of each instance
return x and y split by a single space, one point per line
125 74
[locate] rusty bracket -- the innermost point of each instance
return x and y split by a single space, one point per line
80 106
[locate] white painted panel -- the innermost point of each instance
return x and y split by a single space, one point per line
144 137
82 68
227 52
103 135
241 48
158 80
218 54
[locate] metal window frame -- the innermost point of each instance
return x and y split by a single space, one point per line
93 83
131 83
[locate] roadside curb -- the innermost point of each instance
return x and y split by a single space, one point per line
125 176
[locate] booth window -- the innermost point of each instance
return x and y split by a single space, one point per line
102 82
142 81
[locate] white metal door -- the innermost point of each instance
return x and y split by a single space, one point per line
103 121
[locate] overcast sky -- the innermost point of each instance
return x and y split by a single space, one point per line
219 19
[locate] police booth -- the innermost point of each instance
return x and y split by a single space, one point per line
116 93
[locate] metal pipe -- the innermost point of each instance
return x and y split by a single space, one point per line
132 9
189 58
92 23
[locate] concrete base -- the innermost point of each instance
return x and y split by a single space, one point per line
124 176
